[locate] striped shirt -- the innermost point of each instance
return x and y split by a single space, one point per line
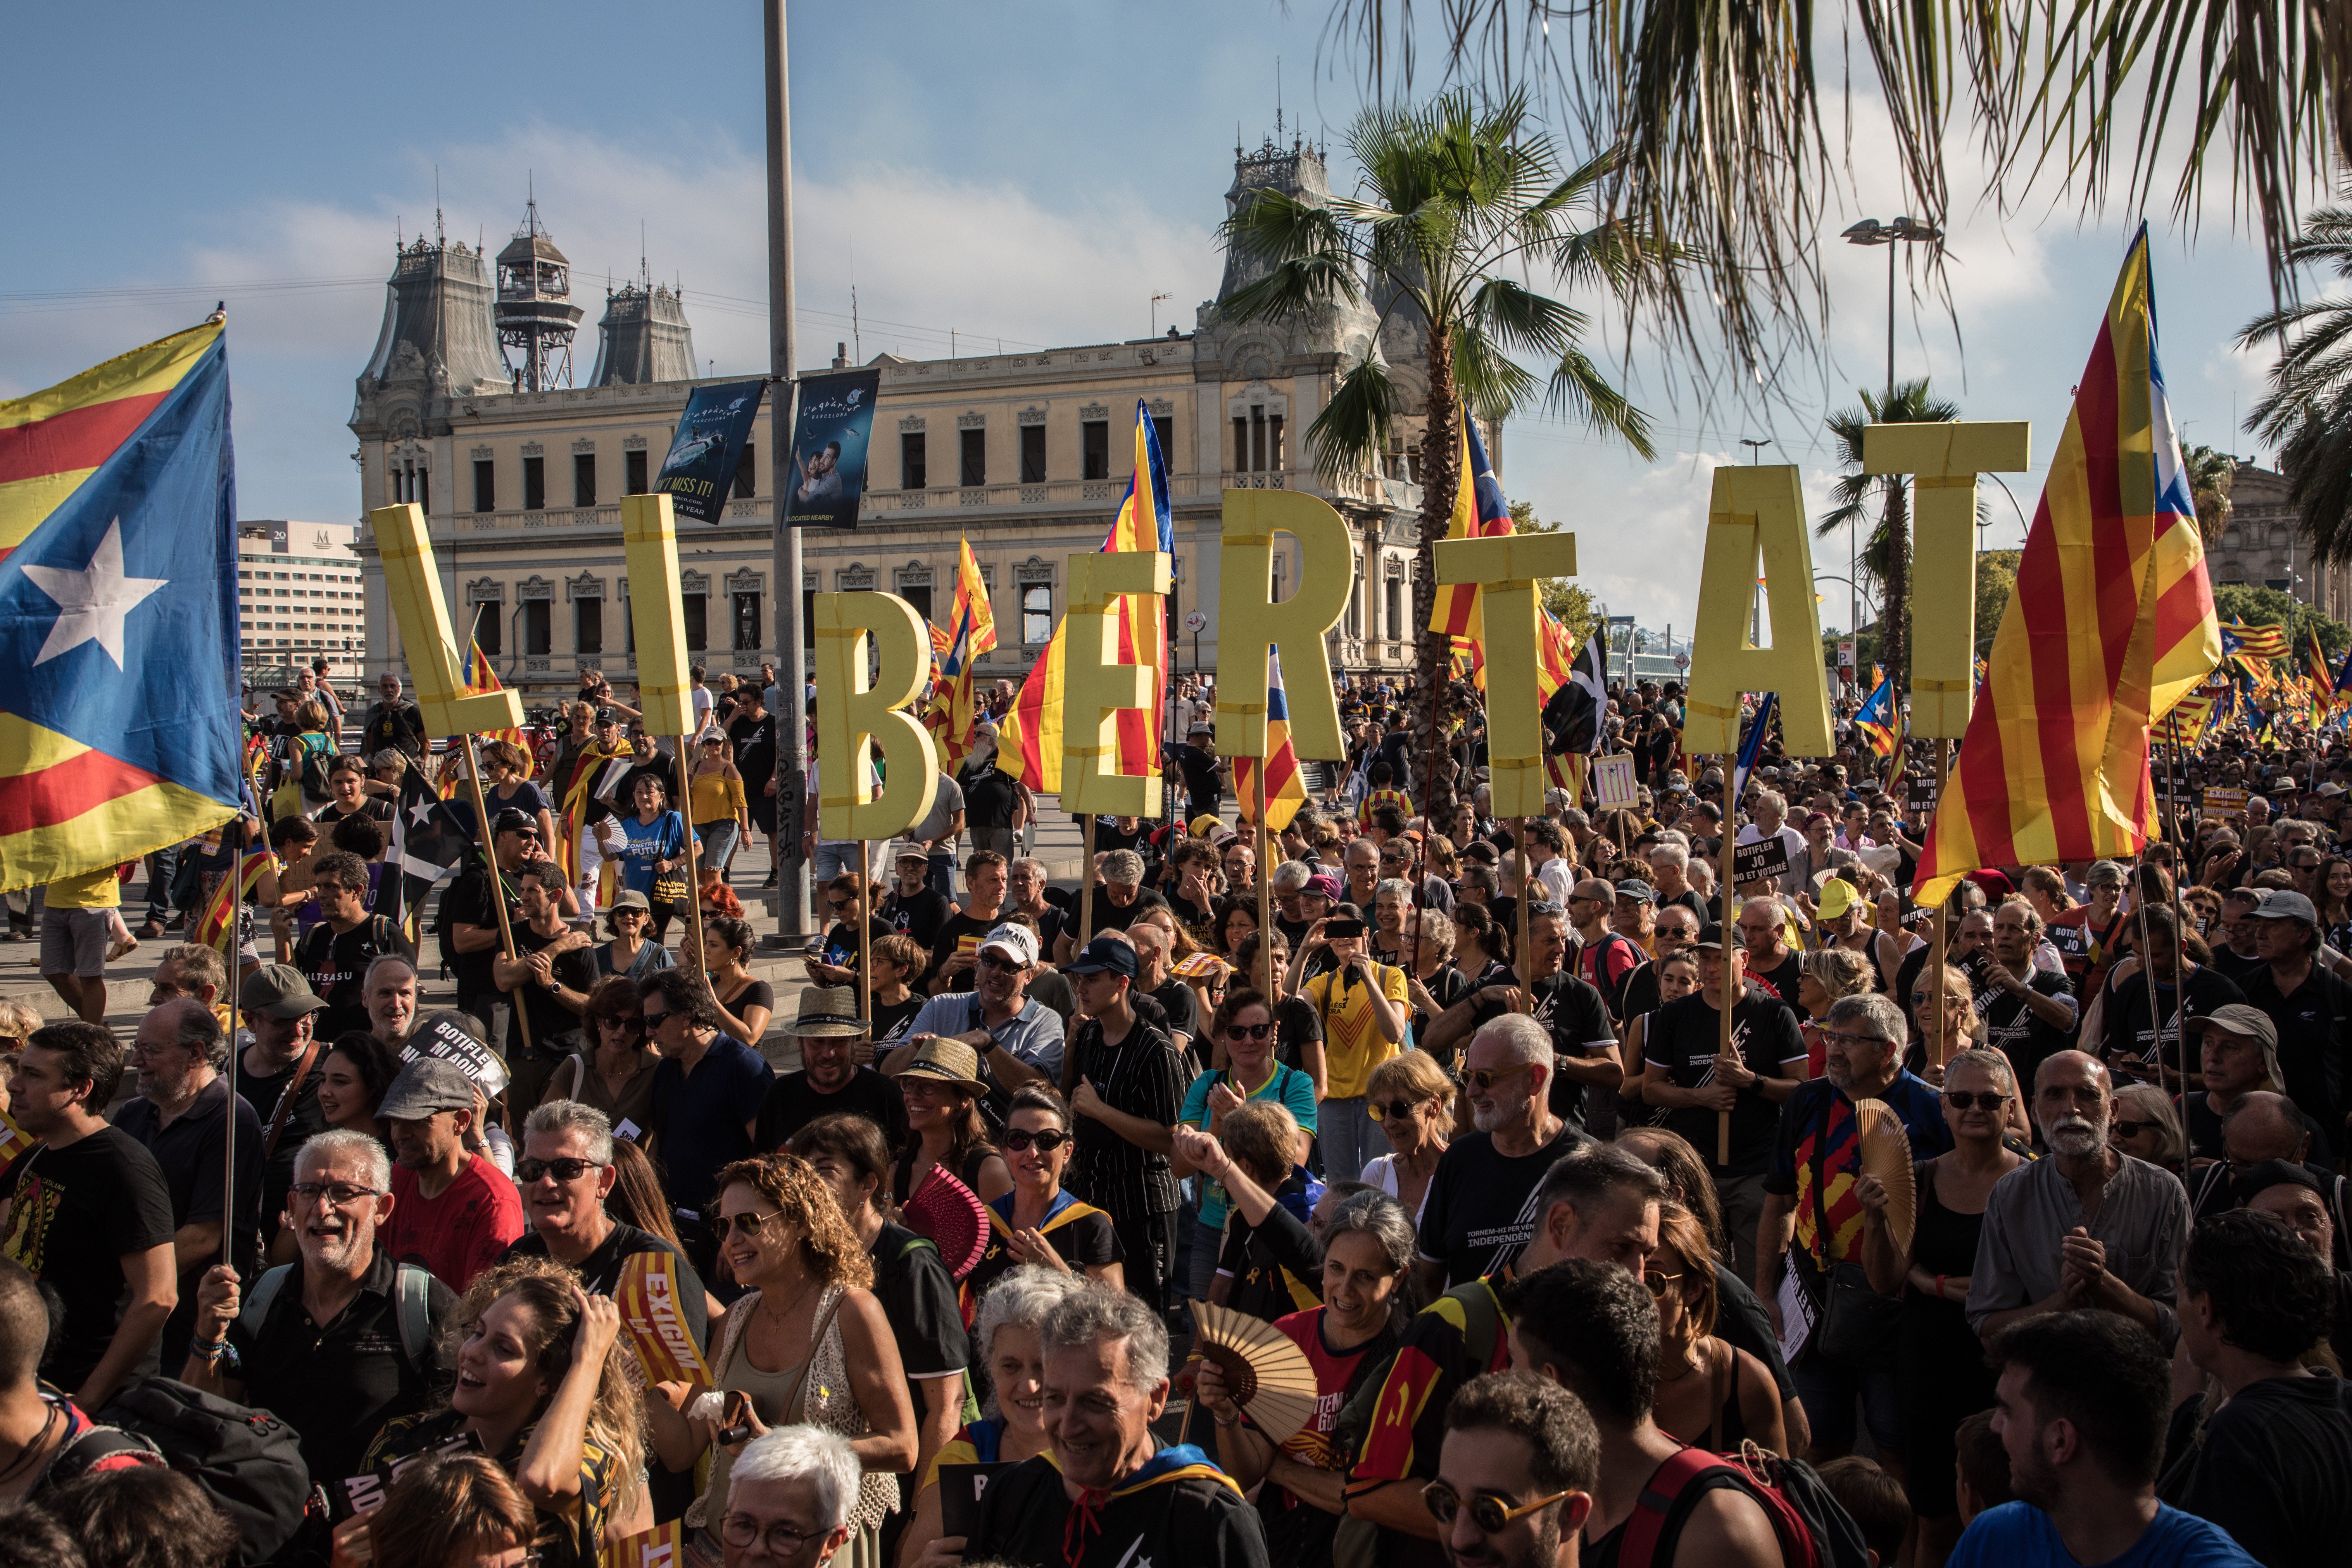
1144 1077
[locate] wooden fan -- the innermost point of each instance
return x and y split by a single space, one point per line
1886 1147
1267 1373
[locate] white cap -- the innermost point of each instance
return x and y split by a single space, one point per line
1018 941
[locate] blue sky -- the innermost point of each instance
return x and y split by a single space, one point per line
1031 173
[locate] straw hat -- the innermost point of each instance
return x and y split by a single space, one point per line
827 1010
951 1061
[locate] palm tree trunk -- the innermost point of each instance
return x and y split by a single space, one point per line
1441 477
1894 630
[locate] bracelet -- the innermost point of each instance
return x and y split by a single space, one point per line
1939 1288
211 1350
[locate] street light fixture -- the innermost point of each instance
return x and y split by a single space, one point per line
1893 233
1754 449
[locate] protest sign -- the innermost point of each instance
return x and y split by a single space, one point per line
646 1295
442 1035
1612 783
1765 859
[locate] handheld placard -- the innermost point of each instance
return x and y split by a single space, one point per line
1096 684
1757 509
853 717
412 585
1506 568
1248 616
656 614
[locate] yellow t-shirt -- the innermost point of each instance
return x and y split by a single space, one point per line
1352 1042
717 797
90 890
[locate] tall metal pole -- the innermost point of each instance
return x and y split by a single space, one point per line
792 715
1892 249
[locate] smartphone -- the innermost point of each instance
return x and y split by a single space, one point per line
1337 931
739 1423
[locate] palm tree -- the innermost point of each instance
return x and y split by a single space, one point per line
2308 412
1718 111
1886 555
1459 201
2208 473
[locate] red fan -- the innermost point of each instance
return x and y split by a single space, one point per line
952 1217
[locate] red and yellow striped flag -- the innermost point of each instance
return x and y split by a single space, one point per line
2110 627
1479 512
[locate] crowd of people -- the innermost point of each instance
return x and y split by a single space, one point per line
2032 1254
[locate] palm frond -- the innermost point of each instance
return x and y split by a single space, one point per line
1351 432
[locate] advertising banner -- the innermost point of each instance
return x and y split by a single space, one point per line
830 436
698 474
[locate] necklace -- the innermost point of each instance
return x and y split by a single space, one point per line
1690 1366
786 1315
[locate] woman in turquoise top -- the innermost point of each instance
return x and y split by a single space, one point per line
656 848
1245 1023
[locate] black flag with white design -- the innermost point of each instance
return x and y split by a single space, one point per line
430 840
1572 719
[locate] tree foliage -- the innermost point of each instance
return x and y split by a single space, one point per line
2253 607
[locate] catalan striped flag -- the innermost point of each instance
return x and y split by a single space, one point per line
2110 625
2315 664
1285 787
220 909
2256 642
1876 719
1480 510
120 731
479 678
1029 737
951 714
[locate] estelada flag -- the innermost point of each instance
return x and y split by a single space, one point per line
1029 737
1479 513
971 633
648 1297
1875 719
479 678
2111 625
2257 642
1286 790
119 720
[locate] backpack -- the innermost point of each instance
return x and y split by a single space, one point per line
314 770
1813 1529
248 1462
412 1308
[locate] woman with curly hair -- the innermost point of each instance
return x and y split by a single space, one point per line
544 1385
806 1344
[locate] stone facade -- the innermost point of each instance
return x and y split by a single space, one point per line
1026 454
2264 546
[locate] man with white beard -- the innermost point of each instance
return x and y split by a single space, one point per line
2090 1227
340 1342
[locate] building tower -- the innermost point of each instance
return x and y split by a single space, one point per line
534 312
643 336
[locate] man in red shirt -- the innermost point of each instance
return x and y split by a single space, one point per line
452 1210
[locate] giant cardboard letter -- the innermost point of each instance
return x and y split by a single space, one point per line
413 586
1946 459
1755 508
1247 616
1096 685
1506 569
852 717
657 614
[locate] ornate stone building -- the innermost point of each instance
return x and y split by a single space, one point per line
1026 454
2264 546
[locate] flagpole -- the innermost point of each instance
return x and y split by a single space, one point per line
498 894
693 868
1722 998
865 933
230 956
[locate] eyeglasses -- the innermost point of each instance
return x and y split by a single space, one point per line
1544 906
832 903
1656 1281
740 1531
621 1021
1394 1110
568 1168
2120 1128
1839 1037
1248 1031
1481 1079
998 961
1961 1100
746 1225
341 1194
1489 1512
1046 1141
653 1020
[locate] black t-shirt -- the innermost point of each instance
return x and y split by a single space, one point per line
74 1214
1142 1075
792 1104
1276 1267
755 752
918 1297
401 727
1781 981
2272 1469
951 934
2315 1035
2012 1028
338 1384
1182 1005
1202 781
841 941
375 807
992 799
335 964
303 1119
1080 1235
600 1271
467 899
548 1019
2238 968
1579 1021
1682 1036
891 1018
919 915
2128 1031
1480 1211
1178 1513
188 1153
2204 1126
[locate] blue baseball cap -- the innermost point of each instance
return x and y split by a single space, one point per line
1107 954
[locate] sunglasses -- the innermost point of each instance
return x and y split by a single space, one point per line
745 1225
998 961
2131 1129
1490 1513
1961 1100
1248 1031
341 1195
1481 1079
1046 1142
568 1168
1658 1282
1392 1111
653 1020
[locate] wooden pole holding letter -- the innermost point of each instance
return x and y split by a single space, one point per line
1938 1046
1526 965
1726 957
1264 891
694 868
498 896
1087 885
864 931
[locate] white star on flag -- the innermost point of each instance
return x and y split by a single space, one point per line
93 601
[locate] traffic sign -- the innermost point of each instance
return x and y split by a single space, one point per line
1195 621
